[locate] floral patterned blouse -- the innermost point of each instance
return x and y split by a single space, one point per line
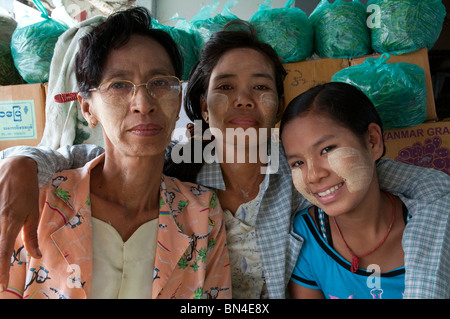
191 258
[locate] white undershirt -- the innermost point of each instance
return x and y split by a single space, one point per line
123 270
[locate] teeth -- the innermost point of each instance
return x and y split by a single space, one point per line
331 190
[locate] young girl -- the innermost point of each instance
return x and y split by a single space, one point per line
352 235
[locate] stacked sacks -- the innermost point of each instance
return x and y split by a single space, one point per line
407 25
204 24
32 46
186 44
287 30
340 29
397 90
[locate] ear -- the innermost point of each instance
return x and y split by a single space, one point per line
375 141
204 107
86 110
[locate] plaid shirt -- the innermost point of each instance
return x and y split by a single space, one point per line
425 192
426 239
278 245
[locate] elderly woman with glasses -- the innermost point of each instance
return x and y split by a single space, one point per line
119 228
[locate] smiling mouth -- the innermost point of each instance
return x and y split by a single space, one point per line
330 190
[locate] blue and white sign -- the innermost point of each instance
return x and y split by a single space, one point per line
17 120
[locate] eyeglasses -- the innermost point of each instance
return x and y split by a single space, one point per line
123 91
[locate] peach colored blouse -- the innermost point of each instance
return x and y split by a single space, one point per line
191 259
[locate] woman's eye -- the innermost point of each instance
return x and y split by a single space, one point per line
327 149
261 87
224 87
119 85
296 164
158 83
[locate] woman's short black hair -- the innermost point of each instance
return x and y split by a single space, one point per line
235 34
345 104
114 33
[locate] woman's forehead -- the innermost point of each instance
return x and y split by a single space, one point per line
244 60
141 54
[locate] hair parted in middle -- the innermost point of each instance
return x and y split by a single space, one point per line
235 35
344 103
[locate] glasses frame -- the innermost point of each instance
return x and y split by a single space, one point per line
135 86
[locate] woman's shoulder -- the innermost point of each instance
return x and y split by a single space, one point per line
73 176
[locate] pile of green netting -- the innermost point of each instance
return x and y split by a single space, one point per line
32 46
288 30
340 29
397 90
186 44
205 23
407 25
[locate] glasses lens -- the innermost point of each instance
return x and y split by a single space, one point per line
121 91
116 91
162 85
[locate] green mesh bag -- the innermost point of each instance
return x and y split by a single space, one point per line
205 23
397 90
407 25
340 29
32 46
186 44
286 29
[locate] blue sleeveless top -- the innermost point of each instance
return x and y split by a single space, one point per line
319 266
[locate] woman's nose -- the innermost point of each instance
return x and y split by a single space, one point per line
316 172
244 100
143 102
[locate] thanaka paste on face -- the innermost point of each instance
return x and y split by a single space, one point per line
269 100
216 100
353 166
299 183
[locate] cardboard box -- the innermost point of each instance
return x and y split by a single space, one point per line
22 114
419 58
307 74
301 76
426 145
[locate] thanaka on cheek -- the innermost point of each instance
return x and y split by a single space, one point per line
299 183
217 100
269 100
353 166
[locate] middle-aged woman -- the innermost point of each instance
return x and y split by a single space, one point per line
118 227
238 84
